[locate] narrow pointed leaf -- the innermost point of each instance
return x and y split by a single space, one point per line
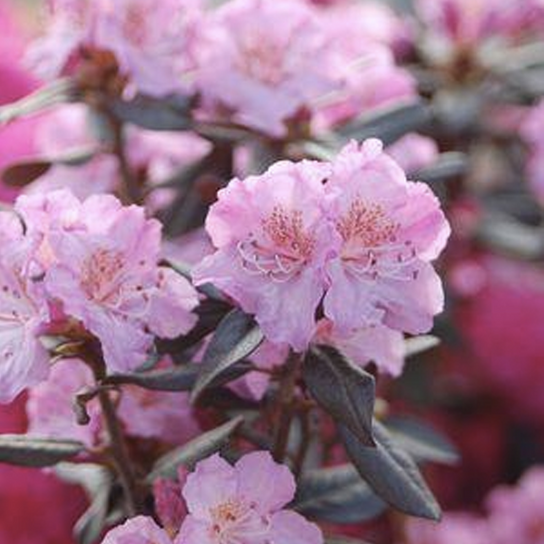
392 473
387 124
36 452
337 495
344 390
154 114
189 454
422 441
419 344
236 337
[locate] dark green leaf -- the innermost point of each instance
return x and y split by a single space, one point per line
171 113
189 454
510 237
391 473
22 173
344 390
419 344
180 378
25 172
447 166
387 124
236 337
58 92
97 482
36 452
422 441
344 540
337 495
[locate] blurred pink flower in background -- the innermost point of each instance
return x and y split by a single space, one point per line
516 513
361 59
154 156
15 138
454 528
147 39
138 530
256 62
23 311
507 357
513 514
159 415
413 152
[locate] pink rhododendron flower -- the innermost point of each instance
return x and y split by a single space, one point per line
391 230
273 239
365 67
50 405
147 39
468 22
138 530
373 21
531 132
23 313
100 261
160 415
378 344
257 61
516 514
154 156
353 230
243 503
454 528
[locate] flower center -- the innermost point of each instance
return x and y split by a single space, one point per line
236 521
284 248
134 25
101 275
371 247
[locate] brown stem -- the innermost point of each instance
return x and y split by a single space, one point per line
119 453
286 394
131 191
117 445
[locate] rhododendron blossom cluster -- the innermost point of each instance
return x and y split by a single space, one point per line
84 268
354 229
266 266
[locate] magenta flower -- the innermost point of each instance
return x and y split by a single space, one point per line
256 59
139 530
272 240
23 314
243 504
391 230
